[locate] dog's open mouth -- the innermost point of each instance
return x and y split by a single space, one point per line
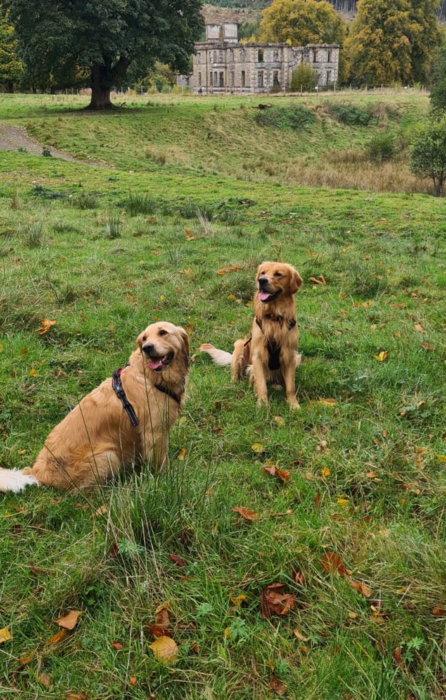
268 296
160 362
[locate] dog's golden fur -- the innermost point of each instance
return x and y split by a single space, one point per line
274 328
97 438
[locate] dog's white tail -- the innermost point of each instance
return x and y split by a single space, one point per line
220 357
14 480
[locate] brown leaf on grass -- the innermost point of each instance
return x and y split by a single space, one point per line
5 635
282 474
327 402
45 680
26 659
247 514
238 601
158 630
273 601
398 656
162 617
279 420
438 611
102 510
298 577
77 696
195 648
56 638
165 650
69 622
361 587
419 328
277 686
317 499
176 559
46 325
299 635
117 645
332 562
132 680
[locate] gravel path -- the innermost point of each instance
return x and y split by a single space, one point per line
13 137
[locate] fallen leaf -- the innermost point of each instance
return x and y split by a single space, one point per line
427 346
257 447
56 638
327 402
317 499
325 471
132 680
158 630
26 659
247 514
165 650
32 372
102 510
46 325
182 454
299 635
5 635
332 562
77 696
383 355
69 622
438 611
195 648
361 587
45 680
238 600
176 560
273 601
279 420
117 645
398 656
419 328
277 686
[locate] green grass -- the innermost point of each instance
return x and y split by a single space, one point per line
366 480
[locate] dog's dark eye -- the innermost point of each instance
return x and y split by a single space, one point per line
162 332
277 274
144 337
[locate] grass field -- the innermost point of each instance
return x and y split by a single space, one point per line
357 532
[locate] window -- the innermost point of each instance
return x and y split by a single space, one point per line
211 79
222 79
260 78
215 78
276 55
243 79
231 55
232 78
329 77
329 56
221 57
260 56
314 56
199 79
276 82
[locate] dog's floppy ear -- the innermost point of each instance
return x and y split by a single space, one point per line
295 280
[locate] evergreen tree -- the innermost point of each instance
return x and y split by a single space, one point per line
102 38
438 87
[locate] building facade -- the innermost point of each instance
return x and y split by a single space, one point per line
223 65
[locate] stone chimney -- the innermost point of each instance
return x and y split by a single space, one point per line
212 33
230 32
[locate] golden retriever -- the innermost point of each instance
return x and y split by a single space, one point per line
270 354
107 430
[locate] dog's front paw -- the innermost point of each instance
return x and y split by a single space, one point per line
294 404
262 403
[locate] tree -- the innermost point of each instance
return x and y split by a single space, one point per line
11 69
103 38
438 87
303 78
392 41
301 22
428 154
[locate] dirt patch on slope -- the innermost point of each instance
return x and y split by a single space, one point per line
13 138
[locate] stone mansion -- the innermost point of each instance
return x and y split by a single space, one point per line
223 65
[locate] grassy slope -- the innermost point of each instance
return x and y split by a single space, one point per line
380 505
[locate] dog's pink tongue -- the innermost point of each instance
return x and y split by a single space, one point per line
155 364
263 296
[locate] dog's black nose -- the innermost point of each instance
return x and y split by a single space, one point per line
263 281
148 348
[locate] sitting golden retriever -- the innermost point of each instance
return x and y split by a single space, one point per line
270 355
124 421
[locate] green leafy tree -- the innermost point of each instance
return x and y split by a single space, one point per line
392 41
303 78
438 87
11 69
103 38
428 154
301 22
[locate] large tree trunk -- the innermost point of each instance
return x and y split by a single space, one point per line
103 77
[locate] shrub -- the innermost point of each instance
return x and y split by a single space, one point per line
33 234
347 113
85 201
113 226
381 147
303 78
428 155
286 117
140 204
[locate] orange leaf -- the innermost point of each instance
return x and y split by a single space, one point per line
77 696
56 638
277 686
117 645
438 611
165 650
26 659
46 325
176 560
158 630
361 587
69 622
327 402
273 601
45 680
247 514
132 680
332 562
